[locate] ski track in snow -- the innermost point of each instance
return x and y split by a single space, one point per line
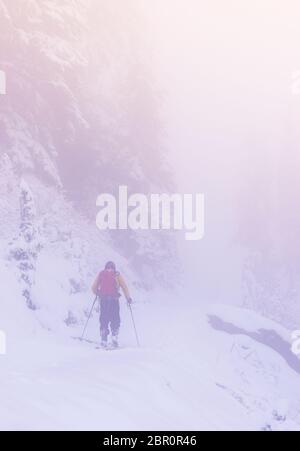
207 380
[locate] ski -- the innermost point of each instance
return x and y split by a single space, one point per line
108 348
98 346
84 340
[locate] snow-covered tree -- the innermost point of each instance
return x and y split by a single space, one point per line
26 246
8 199
82 110
269 223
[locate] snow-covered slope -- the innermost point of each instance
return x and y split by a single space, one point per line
195 370
81 114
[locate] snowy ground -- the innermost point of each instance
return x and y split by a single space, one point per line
196 370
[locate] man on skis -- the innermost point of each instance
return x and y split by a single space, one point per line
107 286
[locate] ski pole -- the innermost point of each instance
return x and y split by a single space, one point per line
134 326
89 318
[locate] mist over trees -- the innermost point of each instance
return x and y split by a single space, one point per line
82 110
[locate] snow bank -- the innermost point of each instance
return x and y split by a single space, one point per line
186 376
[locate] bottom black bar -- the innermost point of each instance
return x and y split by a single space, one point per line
106 440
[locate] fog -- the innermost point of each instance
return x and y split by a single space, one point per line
213 88
231 113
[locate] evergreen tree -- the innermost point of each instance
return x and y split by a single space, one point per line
82 110
27 246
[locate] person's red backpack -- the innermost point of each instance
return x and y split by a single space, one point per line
107 284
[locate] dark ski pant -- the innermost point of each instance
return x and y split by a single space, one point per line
109 316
